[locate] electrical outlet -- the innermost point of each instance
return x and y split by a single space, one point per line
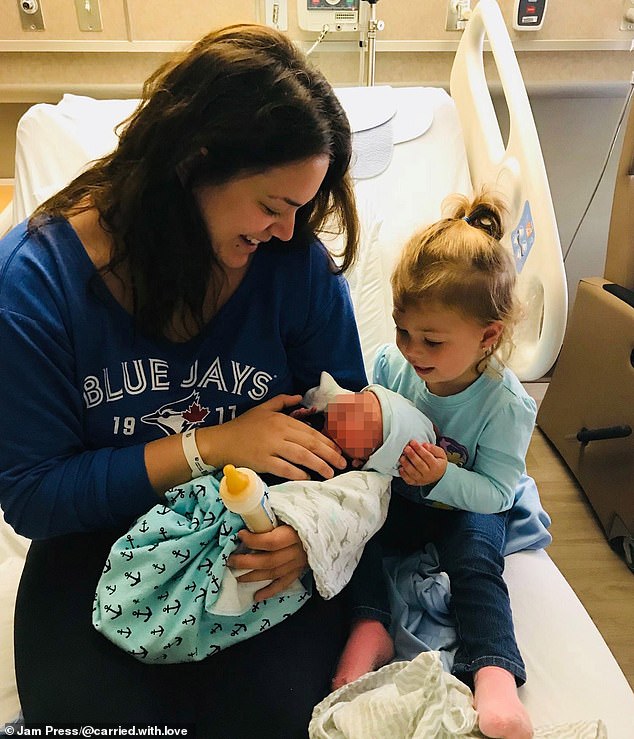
276 14
627 16
88 15
31 15
458 12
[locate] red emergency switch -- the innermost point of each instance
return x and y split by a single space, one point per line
529 14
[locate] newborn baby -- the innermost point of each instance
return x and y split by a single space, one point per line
371 427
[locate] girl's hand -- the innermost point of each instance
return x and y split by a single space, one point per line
266 440
422 464
280 557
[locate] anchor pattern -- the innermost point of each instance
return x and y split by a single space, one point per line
157 591
166 579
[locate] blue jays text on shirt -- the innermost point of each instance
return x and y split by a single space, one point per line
135 377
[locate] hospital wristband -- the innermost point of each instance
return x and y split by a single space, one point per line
193 456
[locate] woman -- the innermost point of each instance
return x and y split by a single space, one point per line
145 311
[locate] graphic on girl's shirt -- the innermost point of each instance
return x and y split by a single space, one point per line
456 453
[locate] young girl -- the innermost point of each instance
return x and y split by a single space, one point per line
454 310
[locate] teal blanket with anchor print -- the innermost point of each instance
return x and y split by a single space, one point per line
161 582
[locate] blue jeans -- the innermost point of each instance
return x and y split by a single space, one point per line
470 548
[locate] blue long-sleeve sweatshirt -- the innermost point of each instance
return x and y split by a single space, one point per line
82 391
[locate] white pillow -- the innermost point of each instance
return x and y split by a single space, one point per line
13 550
370 289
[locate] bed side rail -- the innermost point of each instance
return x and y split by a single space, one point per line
518 172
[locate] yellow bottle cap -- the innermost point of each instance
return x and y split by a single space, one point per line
236 481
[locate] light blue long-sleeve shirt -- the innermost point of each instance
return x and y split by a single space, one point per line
485 430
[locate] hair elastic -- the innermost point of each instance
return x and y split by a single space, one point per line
467 219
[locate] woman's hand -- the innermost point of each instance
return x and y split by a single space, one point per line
422 464
266 440
280 557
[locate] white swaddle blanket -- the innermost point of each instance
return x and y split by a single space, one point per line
333 518
415 700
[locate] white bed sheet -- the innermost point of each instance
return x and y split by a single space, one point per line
13 549
572 674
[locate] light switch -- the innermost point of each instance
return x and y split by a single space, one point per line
88 15
276 14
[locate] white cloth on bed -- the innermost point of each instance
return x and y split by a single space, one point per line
13 549
415 700
372 151
380 117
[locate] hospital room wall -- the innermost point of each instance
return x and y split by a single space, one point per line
577 71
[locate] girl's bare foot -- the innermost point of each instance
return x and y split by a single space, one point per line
501 714
369 647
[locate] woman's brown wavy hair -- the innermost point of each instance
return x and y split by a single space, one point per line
241 100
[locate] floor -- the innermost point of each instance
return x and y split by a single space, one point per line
599 577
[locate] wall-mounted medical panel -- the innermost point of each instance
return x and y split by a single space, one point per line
529 15
573 20
31 17
89 15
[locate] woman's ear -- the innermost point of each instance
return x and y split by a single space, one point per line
491 334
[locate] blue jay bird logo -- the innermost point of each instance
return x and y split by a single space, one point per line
179 416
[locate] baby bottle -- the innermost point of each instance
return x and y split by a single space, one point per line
243 492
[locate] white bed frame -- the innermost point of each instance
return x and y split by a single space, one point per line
517 169
572 675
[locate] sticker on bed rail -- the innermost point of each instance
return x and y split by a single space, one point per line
523 237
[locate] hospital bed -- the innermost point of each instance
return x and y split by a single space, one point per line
413 146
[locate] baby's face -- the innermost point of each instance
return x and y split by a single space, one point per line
355 424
